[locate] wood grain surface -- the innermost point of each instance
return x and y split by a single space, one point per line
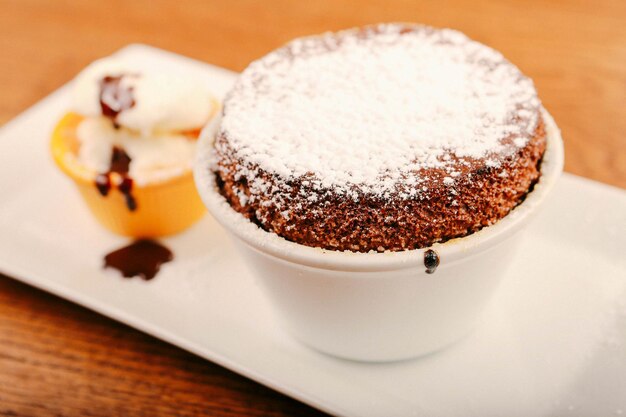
57 359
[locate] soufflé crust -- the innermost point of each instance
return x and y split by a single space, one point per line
385 138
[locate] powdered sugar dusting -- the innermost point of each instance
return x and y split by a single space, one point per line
363 110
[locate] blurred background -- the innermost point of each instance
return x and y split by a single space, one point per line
60 359
574 50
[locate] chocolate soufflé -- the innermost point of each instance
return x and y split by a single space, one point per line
384 138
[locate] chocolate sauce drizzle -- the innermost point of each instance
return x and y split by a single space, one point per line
114 97
120 164
120 161
431 261
142 258
126 188
103 184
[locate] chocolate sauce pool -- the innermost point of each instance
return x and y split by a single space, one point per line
141 258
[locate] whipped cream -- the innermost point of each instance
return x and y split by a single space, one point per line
144 113
162 102
153 158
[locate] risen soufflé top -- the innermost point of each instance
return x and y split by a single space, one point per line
383 138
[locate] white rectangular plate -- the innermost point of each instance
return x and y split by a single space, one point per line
552 343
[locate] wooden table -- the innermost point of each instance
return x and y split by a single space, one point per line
60 359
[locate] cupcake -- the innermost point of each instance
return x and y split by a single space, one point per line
128 144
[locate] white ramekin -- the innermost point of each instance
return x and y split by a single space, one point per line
380 306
